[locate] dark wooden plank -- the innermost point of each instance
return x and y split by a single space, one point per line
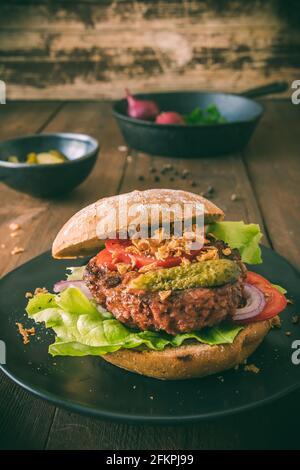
273 163
272 427
18 118
21 425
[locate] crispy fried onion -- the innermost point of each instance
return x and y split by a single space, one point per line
162 248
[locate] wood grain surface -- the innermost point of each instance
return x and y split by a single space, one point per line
265 180
67 49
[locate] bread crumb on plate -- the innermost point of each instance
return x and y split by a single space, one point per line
252 368
25 332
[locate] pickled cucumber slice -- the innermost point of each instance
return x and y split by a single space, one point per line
58 154
13 159
31 158
211 273
47 157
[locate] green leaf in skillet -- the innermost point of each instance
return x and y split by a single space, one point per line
210 115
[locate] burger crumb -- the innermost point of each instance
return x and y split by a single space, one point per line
14 234
288 333
167 167
147 267
122 268
276 322
25 332
41 290
252 368
122 148
209 193
290 301
151 397
16 250
164 294
13 227
295 319
233 197
28 295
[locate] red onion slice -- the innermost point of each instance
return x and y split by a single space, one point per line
62 285
255 303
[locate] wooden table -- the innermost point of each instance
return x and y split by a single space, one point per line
265 179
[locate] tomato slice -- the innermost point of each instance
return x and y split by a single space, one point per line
117 248
117 245
275 301
139 260
104 258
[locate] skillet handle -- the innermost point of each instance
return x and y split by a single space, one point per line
275 87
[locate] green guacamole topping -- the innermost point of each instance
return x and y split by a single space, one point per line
211 273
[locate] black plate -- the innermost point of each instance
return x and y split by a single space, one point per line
92 386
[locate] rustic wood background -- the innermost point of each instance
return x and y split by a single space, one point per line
93 49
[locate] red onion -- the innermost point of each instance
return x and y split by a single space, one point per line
255 303
169 117
141 109
62 285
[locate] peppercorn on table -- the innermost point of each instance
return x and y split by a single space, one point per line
259 185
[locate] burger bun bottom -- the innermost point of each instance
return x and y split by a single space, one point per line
192 359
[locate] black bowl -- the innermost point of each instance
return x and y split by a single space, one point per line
176 140
48 180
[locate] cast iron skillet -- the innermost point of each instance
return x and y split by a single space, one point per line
173 140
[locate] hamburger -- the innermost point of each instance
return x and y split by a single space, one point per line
155 300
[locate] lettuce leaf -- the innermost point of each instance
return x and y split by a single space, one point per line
244 237
282 290
83 329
